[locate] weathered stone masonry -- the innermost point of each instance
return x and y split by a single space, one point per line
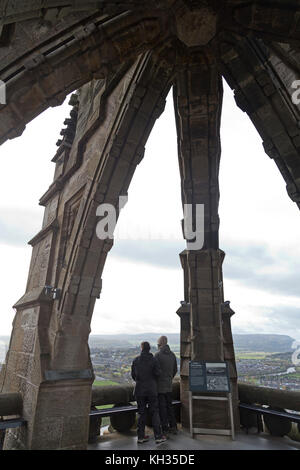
123 58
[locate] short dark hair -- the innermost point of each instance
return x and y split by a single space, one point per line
145 346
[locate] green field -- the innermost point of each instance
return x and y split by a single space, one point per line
251 355
104 383
295 375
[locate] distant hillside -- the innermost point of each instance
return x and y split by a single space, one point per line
261 342
128 340
253 342
248 342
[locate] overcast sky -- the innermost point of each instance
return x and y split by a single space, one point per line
143 280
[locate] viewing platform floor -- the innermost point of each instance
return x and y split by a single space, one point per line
183 441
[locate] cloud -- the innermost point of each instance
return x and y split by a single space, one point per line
276 271
254 266
273 319
161 253
18 226
286 317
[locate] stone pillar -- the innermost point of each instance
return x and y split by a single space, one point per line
198 102
206 328
185 344
229 356
185 356
56 401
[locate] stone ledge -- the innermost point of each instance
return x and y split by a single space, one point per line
53 226
35 296
54 375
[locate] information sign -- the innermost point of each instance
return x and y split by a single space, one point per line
208 376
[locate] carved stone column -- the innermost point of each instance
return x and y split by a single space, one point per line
185 344
198 103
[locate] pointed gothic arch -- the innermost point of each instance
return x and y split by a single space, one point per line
124 65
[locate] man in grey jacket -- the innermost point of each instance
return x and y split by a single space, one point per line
168 364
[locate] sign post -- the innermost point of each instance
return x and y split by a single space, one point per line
210 377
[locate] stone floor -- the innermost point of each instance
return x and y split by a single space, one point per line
183 441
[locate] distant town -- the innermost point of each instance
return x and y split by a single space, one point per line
275 370
268 370
113 365
112 357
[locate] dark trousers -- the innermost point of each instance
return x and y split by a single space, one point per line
166 411
152 402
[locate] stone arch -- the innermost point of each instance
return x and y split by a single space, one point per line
92 41
44 76
263 90
48 358
11 12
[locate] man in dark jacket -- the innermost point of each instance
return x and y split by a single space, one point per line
168 364
145 371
